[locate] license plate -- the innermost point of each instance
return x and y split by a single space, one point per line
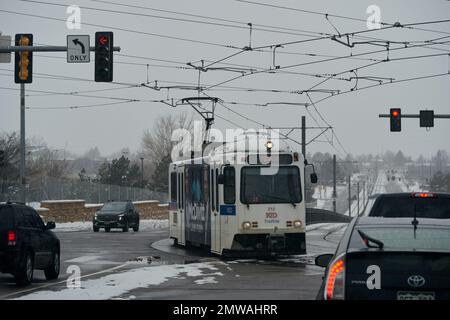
415 295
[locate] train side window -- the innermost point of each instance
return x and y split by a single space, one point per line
173 187
229 186
211 182
217 189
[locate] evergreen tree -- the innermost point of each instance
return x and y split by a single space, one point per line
160 176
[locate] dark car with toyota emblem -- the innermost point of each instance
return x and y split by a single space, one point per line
382 258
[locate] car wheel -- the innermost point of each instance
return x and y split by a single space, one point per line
24 275
107 229
96 229
125 228
52 272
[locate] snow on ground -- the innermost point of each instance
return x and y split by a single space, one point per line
324 196
34 205
410 186
117 284
84 226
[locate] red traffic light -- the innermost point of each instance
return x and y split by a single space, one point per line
103 40
396 119
104 56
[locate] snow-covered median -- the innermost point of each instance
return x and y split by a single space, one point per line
84 226
116 285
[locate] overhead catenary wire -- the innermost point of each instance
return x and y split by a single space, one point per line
312 33
166 17
311 63
125 30
323 14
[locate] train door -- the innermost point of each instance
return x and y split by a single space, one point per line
215 212
181 203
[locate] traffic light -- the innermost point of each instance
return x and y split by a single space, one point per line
2 158
24 59
396 119
426 118
104 56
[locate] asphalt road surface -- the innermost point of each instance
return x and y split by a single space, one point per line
101 255
144 265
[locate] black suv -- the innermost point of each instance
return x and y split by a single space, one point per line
27 244
117 214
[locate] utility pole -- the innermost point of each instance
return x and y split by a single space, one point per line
334 184
22 143
349 196
304 137
357 192
364 193
142 172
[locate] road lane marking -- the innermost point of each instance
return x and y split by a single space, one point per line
60 282
83 259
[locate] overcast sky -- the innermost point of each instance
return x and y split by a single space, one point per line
354 115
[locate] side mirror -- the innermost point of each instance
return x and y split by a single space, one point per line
220 179
313 177
323 260
50 225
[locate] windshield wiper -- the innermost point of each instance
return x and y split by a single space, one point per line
367 239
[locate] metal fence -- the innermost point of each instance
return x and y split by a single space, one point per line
48 188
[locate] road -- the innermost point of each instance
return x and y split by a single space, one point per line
144 265
177 274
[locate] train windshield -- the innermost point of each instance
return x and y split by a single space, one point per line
282 187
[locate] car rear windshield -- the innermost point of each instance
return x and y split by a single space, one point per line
401 207
114 206
6 217
403 238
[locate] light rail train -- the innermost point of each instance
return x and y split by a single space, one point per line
228 203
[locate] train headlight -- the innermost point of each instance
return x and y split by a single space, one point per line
269 145
246 225
298 224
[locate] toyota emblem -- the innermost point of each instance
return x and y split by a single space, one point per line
416 281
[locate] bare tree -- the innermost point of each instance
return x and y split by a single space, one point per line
10 144
157 146
157 143
46 162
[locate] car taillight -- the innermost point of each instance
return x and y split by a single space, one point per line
11 238
335 284
423 195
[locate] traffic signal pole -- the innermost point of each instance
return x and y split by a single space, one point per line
417 116
334 184
9 49
30 48
22 144
426 118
